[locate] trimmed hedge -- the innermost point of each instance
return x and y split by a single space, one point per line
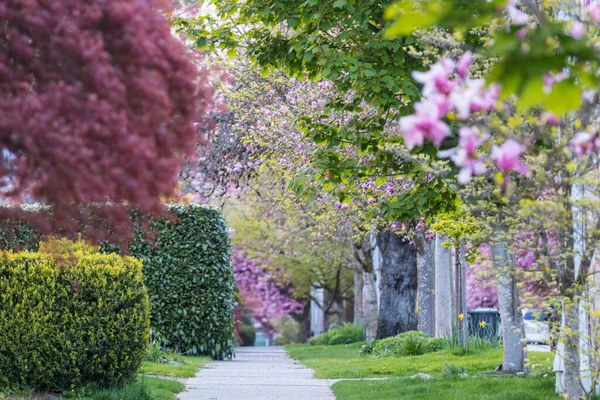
187 271
71 317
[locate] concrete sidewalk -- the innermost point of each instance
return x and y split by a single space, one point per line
256 373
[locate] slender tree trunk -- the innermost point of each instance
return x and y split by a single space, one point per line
572 362
358 295
443 289
426 287
363 251
371 306
513 333
397 309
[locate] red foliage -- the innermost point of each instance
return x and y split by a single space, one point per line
98 105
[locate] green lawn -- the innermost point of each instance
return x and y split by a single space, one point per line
480 388
188 370
342 361
144 388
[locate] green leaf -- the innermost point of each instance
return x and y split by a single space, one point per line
564 97
339 3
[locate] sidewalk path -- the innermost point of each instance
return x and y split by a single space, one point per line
256 373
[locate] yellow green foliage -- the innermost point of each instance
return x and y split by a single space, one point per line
70 315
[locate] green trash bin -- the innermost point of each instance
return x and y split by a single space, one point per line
484 322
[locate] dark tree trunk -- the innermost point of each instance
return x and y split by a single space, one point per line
397 308
304 321
426 289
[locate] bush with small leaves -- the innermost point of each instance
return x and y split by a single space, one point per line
70 316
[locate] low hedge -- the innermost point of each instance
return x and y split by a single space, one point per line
71 317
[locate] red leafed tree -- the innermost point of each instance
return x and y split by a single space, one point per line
98 105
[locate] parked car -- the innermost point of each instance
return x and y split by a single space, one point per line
536 325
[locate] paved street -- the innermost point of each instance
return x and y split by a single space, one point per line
257 373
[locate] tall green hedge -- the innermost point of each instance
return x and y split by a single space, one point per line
71 318
187 270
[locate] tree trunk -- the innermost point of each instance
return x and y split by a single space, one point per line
363 251
513 333
572 362
443 289
358 295
426 287
397 309
371 306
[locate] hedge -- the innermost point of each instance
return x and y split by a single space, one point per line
187 271
71 317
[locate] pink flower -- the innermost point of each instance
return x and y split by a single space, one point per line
344 206
463 65
474 97
521 33
551 79
436 80
584 143
507 156
463 155
470 139
549 118
593 10
393 227
517 16
577 30
425 124
471 168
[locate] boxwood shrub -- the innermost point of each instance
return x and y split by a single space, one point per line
70 316
187 270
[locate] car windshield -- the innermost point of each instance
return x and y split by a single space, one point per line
535 315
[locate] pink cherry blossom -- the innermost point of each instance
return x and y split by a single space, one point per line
577 30
507 156
464 63
437 79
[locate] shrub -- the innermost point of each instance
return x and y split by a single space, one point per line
345 334
248 335
187 271
367 349
156 353
289 331
451 371
411 343
71 317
